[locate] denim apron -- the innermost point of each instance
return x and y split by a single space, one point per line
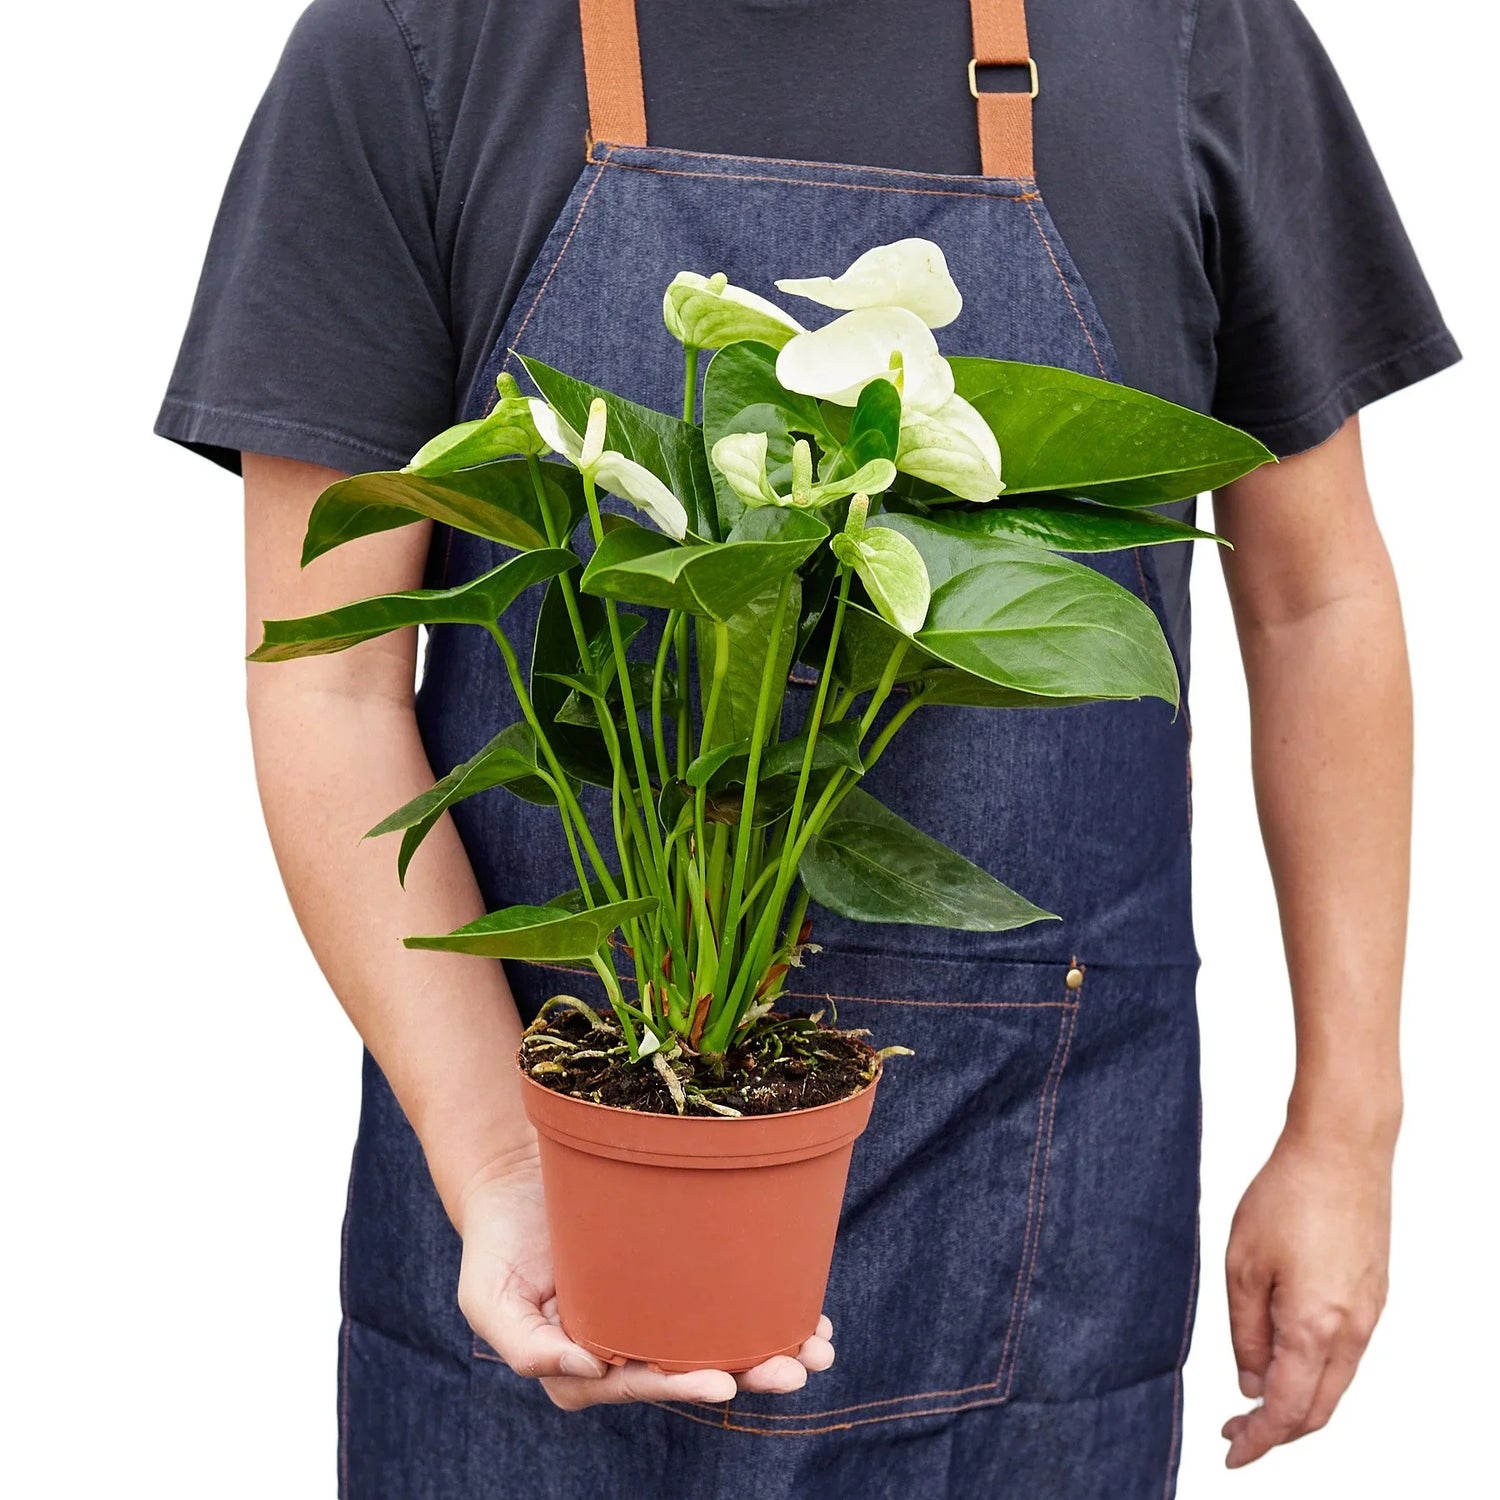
1013 1287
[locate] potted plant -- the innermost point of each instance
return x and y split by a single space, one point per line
835 499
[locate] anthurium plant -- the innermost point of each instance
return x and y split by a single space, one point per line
844 496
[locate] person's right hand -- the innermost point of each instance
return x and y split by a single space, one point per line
506 1291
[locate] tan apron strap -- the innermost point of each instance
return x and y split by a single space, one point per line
617 98
1005 148
612 70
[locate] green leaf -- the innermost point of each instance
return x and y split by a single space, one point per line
538 934
867 864
874 433
509 760
496 501
1052 627
866 643
837 747
749 645
1064 525
1084 436
741 394
669 447
481 601
713 578
1021 617
507 430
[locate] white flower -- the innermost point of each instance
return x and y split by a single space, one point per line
953 447
610 470
909 273
837 362
705 312
741 459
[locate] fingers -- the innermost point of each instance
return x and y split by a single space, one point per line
1249 1320
778 1376
1291 1383
517 1327
1314 1355
636 1382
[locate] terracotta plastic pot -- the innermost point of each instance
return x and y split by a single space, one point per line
692 1243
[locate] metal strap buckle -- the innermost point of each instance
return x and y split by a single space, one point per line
1036 87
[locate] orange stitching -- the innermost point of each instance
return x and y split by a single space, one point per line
1182 1352
1067 290
856 187
832 166
852 999
546 280
1018 1323
728 1426
1059 1051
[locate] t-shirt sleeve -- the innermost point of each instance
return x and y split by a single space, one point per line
1322 305
320 326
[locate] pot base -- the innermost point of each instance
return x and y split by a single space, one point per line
680 1366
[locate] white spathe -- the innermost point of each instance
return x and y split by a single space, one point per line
907 273
953 447
706 312
609 469
835 363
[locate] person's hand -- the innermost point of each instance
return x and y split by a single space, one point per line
1307 1269
506 1291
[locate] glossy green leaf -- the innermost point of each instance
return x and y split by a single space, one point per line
507 430
497 501
836 748
669 447
874 433
749 645
1046 625
869 865
1064 525
539 934
509 760
479 602
714 579
741 394
866 644
1084 436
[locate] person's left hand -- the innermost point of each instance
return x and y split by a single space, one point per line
1307 1271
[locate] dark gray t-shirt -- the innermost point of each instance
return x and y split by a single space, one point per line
1199 157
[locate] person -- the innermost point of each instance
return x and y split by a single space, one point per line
1187 203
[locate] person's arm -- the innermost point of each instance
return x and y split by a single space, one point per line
1324 650
337 749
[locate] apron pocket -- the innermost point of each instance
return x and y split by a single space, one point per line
947 1194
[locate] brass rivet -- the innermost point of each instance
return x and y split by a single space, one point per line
1075 978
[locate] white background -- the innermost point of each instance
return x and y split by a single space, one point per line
179 1089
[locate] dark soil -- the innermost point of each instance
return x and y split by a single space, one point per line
784 1061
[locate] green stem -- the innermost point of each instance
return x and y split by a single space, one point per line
746 830
689 383
568 801
651 835
658 732
617 1002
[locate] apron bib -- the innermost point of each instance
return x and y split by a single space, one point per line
1013 1287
